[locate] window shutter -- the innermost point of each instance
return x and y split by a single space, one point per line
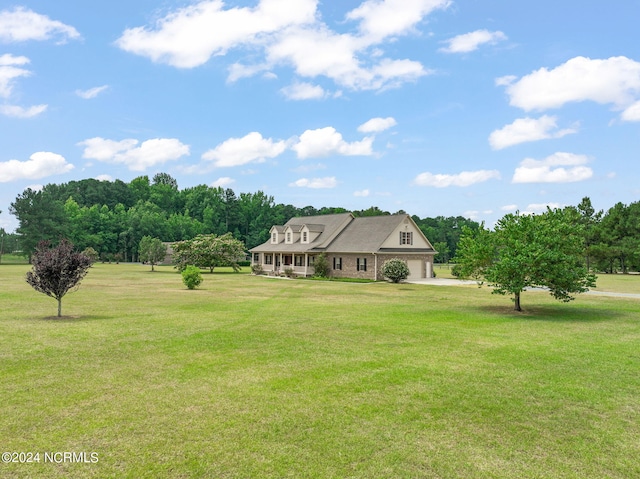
364 265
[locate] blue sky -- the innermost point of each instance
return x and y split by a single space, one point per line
437 107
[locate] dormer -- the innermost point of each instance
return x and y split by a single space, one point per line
309 233
277 234
291 234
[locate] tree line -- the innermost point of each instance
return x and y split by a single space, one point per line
112 217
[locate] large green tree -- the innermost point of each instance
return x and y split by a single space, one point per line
152 251
209 251
528 251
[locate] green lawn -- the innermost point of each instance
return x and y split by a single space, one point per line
256 377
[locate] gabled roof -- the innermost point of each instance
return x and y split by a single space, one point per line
343 233
329 226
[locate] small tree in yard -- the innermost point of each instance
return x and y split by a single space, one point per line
57 270
151 250
395 269
321 266
528 251
191 277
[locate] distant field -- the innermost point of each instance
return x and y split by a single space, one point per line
13 259
256 377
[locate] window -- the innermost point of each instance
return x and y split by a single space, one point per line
304 237
256 257
406 237
288 237
310 260
298 260
268 259
361 264
274 237
337 263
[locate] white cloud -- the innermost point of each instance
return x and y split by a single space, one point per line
632 113
361 193
39 165
104 178
240 151
327 141
92 92
509 207
376 125
9 71
383 18
552 169
316 183
222 182
527 129
190 36
469 42
16 111
465 178
303 91
614 81
137 158
22 24
290 34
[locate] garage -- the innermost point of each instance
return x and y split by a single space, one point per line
415 269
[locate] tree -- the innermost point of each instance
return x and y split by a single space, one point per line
151 250
395 269
191 277
321 266
57 270
209 251
527 251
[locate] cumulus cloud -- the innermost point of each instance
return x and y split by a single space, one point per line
9 71
39 165
22 24
558 168
104 178
248 149
91 92
469 42
316 183
632 113
614 81
137 158
361 193
527 129
303 91
327 141
290 34
190 36
16 111
222 182
376 125
463 179
509 207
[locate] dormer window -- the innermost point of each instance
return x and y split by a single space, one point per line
305 237
289 237
274 237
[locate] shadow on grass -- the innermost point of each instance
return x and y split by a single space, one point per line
553 313
72 318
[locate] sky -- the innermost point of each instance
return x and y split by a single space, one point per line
475 108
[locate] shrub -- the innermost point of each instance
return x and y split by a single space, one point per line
395 269
321 266
91 253
257 269
288 272
191 277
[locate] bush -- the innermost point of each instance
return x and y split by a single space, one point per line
257 269
191 277
288 272
395 269
321 266
91 253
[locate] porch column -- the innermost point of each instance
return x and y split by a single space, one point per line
306 262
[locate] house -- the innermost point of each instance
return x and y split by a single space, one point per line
355 247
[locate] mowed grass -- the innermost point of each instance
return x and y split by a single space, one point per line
267 378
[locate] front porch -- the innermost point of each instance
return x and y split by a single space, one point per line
277 263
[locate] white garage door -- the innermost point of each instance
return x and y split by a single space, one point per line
415 269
